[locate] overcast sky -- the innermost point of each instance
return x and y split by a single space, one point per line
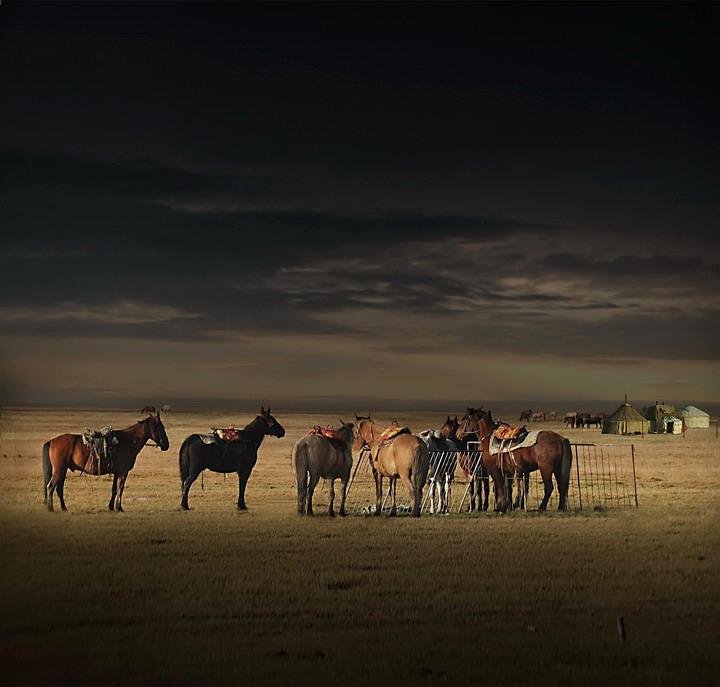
394 201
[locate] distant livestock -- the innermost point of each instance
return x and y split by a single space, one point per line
538 417
525 415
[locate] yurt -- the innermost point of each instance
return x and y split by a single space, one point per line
653 414
625 420
694 417
668 424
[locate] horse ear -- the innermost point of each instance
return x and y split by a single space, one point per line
357 417
262 410
456 420
448 420
268 410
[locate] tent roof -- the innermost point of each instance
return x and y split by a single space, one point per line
627 413
692 411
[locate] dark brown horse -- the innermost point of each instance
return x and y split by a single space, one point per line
469 461
525 415
551 454
69 452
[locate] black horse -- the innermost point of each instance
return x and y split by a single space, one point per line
223 456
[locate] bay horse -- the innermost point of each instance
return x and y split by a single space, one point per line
405 457
525 415
471 465
69 452
551 454
232 456
315 457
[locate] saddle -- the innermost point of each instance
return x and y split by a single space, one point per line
507 433
522 440
102 448
336 439
393 431
221 436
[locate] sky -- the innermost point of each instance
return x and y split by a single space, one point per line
397 201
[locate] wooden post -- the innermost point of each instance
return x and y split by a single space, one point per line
632 448
621 628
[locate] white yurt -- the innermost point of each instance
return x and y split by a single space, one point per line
694 417
668 424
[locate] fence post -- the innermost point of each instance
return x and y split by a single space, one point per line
577 471
632 448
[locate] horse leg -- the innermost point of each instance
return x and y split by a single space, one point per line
242 484
344 481
562 492
111 505
378 493
314 479
56 482
192 476
331 489
485 479
61 490
121 489
547 476
393 491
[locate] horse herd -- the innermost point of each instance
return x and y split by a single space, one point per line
394 453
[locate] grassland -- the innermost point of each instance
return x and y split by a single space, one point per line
216 596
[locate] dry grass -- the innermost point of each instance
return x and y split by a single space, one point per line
158 595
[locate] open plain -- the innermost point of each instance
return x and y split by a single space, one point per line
157 595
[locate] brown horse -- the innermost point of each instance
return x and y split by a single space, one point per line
525 415
315 457
404 456
69 452
469 461
551 455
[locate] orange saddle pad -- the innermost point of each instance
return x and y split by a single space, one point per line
393 431
505 433
328 433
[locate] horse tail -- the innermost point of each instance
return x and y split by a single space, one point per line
418 475
46 468
567 460
300 468
184 459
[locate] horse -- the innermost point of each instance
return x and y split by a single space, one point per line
553 414
570 419
148 410
404 456
165 410
551 454
538 417
232 456
69 452
474 472
316 457
525 415
582 420
596 420
441 474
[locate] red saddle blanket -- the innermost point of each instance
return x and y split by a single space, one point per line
228 434
328 433
506 433
393 431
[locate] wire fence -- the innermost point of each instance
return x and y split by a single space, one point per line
603 476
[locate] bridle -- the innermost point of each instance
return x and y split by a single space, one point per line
462 427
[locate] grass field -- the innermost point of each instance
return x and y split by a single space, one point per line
157 595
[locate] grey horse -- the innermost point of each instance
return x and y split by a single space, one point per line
316 457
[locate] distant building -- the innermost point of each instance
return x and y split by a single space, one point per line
653 414
625 420
694 417
669 424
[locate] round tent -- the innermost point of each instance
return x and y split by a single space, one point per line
694 417
625 420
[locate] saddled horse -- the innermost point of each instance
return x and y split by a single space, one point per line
69 452
316 457
551 454
405 457
441 474
226 456
469 461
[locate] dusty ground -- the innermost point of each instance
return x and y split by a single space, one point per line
212 596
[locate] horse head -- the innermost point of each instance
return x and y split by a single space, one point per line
361 431
272 426
156 429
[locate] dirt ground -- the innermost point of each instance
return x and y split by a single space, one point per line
157 595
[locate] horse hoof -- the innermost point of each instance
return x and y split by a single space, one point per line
242 508
331 514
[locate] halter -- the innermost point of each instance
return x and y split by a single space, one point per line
463 428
